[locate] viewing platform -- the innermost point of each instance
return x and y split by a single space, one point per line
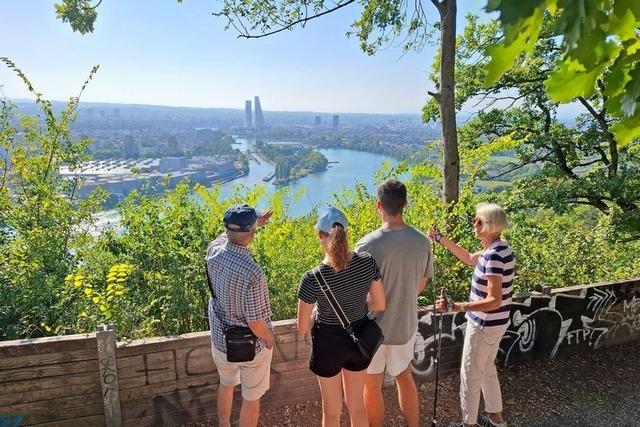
568 358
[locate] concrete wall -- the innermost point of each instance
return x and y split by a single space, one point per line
580 318
92 380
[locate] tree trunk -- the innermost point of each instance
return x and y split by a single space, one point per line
451 164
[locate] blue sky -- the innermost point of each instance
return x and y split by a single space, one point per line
164 53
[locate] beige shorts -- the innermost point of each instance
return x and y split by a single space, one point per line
395 358
254 375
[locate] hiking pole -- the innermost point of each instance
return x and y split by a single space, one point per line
438 336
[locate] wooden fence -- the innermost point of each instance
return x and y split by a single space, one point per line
91 380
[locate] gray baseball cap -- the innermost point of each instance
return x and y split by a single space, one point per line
330 216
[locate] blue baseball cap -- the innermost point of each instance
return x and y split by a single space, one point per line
240 216
330 216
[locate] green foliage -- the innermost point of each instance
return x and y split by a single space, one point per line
148 279
599 48
42 222
552 164
78 13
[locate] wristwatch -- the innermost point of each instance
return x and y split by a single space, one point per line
437 236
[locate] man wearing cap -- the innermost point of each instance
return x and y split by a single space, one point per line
239 298
404 257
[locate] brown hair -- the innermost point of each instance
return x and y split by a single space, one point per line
337 247
393 196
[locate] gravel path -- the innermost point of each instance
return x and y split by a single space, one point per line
600 388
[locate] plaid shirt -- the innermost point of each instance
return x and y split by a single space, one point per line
240 290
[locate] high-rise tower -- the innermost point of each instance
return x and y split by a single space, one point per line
336 121
247 115
259 118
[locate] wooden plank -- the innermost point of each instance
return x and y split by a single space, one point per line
287 366
50 393
58 409
174 401
32 346
20 362
90 421
49 370
159 344
55 415
152 390
38 384
106 342
184 362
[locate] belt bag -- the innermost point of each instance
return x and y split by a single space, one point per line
369 337
241 344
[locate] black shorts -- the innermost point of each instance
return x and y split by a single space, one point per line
333 349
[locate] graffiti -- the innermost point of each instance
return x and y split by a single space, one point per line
13 420
189 366
172 409
300 346
542 326
453 327
108 375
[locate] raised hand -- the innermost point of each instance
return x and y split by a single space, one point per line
264 218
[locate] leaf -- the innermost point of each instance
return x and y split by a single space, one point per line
626 130
520 36
95 299
566 83
631 96
88 291
625 26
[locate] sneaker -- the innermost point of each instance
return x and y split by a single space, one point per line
485 421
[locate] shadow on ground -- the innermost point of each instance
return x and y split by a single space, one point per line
599 388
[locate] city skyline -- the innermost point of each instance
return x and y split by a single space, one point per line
179 55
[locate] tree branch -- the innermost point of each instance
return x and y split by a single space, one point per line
604 127
303 21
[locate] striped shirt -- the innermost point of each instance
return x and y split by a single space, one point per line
496 260
240 293
350 287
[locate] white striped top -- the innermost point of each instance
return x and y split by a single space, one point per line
496 260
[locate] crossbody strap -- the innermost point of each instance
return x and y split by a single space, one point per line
213 295
326 290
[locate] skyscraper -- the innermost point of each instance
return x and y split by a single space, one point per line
259 121
336 121
317 121
247 115
130 148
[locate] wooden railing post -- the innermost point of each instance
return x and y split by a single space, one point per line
106 337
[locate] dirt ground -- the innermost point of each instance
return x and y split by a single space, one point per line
599 388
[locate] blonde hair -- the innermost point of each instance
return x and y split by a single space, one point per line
494 218
337 247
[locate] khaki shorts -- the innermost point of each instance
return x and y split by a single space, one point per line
254 375
395 358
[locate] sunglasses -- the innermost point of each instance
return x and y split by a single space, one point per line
477 221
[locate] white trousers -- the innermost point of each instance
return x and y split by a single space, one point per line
478 371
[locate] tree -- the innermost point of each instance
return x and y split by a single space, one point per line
599 51
43 223
581 164
381 22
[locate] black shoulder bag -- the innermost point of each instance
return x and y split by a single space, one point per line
239 340
370 336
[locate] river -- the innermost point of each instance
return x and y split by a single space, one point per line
350 167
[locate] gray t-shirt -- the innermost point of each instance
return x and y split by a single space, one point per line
404 257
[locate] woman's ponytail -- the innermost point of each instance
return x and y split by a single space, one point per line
338 248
